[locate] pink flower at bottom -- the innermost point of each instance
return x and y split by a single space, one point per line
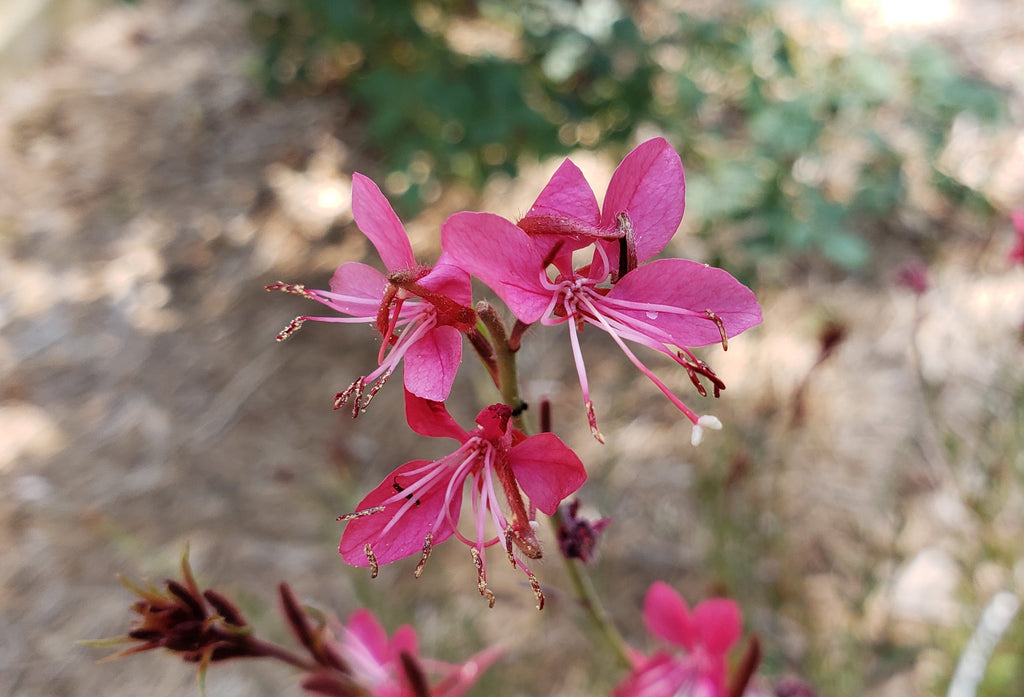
694 665
392 667
418 505
1016 255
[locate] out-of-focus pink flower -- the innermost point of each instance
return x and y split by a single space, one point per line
419 312
913 275
694 665
577 536
418 505
667 305
384 667
1016 255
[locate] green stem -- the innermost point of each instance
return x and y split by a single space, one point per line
590 601
586 593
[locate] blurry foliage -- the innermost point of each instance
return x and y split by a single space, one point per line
794 133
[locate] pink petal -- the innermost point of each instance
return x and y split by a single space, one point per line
451 281
502 256
718 624
463 676
405 640
659 676
565 214
432 362
431 418
547 470
649 186
364 628
667 615
567 195
364 284
406 537
685 284
378 221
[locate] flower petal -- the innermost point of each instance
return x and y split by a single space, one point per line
547 470
363 287
692 287
379 222
404 641
567 195
463 676
432 362
431 418
649 186
718 624
406 536
667 615
450 280
365 635
502 256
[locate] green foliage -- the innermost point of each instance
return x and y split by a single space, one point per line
790 131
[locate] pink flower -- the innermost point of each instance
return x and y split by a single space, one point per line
392 668
913 275
666 305
417 506
418 312
1016 255
695 665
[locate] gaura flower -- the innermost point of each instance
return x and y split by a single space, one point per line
1016 255
667 305
418 505
418 312
384 667
695 665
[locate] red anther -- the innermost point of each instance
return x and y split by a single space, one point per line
627 245
292 327
293 288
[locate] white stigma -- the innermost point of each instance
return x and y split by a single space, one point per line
706 421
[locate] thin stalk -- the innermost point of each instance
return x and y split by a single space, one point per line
586 593
590 601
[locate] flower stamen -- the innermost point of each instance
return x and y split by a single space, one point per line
721 327
372 559
427 547
481 577
292 327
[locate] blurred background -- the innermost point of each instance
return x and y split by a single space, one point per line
855 163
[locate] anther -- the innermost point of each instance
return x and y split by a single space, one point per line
721 328
481 577
372 559
293 288
535 585
694 367
592 420
359 514
356 388
627 245
508 548
292 327
427 546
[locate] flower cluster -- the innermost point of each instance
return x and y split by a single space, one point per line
418 505
698 641
569 261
